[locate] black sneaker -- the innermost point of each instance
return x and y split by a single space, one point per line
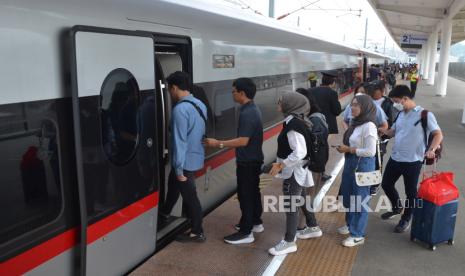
402 226
390 215
325 177
189 237
239 238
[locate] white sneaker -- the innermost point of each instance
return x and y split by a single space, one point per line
256 228
353 241
283 247
309 232
344 230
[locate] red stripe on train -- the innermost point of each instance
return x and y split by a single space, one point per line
121 217
65 241
40 254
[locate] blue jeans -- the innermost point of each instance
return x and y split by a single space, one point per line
353 195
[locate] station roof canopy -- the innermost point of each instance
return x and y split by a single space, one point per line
420 18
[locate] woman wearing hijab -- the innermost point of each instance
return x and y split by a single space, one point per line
359 146
292 153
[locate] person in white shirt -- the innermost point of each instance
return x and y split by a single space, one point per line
293 142
359 146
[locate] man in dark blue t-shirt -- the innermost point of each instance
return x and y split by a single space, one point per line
249 159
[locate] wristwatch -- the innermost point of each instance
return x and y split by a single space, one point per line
221 145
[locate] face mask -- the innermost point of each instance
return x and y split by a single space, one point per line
398 106
359 93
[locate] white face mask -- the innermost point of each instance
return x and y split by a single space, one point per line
398 106
359 93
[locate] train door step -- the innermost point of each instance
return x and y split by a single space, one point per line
169 226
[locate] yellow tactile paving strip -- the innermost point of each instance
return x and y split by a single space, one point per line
324 255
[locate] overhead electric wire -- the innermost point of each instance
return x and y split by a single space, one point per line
294 11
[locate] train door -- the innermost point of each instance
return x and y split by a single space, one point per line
115 113
172 54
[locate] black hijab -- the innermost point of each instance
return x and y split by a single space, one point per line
367 114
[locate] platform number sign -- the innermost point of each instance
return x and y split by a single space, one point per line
406 39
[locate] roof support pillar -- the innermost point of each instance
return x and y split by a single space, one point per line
426 47
422 61
432 57
443 71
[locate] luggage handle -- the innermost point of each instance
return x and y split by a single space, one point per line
434 171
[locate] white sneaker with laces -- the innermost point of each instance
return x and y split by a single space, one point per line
353 241
344 230
309 232
283 247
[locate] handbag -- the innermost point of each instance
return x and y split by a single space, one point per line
369 178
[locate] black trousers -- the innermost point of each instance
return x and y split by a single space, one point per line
413 88
411 172
190 199
248 193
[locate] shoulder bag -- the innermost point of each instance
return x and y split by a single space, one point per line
369 178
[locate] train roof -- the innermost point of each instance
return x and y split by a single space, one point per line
237 23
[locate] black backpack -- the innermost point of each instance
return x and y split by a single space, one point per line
319 150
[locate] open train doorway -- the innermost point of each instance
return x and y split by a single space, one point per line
173 54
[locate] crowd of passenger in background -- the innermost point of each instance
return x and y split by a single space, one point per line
310 118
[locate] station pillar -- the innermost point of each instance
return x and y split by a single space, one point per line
422 61
432 57
426 59
443 71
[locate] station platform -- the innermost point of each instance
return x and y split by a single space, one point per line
384 252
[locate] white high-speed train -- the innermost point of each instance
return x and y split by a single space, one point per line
84 119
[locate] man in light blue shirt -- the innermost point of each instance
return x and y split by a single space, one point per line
188 124
408 153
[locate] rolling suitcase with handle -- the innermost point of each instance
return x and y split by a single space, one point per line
436 210
433 224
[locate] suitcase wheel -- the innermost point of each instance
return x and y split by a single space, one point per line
450 242
432 247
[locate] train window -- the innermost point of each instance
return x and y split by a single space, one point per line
225 114
118 105
30 191
267 101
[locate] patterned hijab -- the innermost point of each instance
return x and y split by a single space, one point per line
367 114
